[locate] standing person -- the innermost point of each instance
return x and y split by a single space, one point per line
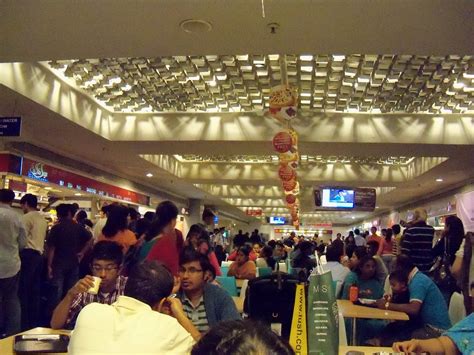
338 243
359 239
12 240
338 271
417 241
255 237
397 238
100 223
377 238
116 228
239 239
387 248
166 241
349 243
67 241
463 270
453 235
31 262
133 216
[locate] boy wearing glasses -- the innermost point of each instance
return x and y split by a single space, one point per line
205 304
106 262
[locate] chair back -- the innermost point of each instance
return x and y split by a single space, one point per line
282 267
228 283
264 271
224 270
226 263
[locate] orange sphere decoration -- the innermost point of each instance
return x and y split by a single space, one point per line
289 185
290 199
282 142
286 173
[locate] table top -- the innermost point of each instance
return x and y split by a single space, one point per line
6 345
350 310
239 303
367 350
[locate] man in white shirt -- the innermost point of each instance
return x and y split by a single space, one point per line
359 240
31 262
338 271
12 239
146 320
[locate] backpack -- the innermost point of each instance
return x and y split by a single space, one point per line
270 299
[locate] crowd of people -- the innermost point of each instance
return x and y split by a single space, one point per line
152 278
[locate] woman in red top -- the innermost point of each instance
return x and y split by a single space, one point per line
387 249
168 241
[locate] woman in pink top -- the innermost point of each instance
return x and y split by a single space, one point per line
116 228
387 249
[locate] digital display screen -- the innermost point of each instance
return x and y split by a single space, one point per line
277 220
337 198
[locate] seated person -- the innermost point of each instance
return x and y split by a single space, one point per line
205 304
338 271
241 337
365 280
426 303
243 267
257 247
266 258
381 271
279 253
302 258
233 255
106 259
457 340
145 320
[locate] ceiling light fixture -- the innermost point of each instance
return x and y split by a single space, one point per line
149 175
195 26
439 180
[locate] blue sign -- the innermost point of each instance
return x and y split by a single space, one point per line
10 126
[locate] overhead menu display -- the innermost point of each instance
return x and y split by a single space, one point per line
342 198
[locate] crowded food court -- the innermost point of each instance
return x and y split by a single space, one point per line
236 177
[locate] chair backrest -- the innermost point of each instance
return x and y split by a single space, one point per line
282 267
226 263
228 283
224 270
243 289
456 308
264 271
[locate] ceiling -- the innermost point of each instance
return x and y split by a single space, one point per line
146 96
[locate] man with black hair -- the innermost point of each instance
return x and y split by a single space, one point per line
145 320
101 221
67 241
12 240
359 239
204 303
381 271
106 262
338 271
31 261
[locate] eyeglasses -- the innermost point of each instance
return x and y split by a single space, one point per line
191 271
108 268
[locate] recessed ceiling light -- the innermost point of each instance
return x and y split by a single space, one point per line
195 26
439 180
149 175
77 194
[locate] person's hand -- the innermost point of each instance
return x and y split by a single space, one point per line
176 284
81 286
409 346
175 307
381 303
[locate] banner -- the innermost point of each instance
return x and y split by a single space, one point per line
298 334
323 327
465 210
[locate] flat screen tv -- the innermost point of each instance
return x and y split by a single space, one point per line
337 198
277 220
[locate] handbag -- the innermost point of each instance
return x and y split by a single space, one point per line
440 272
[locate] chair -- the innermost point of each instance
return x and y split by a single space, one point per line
228 283
244 289
456 308
282 267
264 271
224 270
226 263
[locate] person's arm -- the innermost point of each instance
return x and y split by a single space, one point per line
22 236
61 312
178 312
412 308
457 268
249 272
433 346
380 249
51 250
232 269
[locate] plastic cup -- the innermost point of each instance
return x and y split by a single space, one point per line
95 289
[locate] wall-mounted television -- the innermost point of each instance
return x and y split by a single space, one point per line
276 220
337 198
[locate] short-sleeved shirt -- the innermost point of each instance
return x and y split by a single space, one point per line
433 306
417 243
36 229
462 334
85 298
197 315
125 238
371 289
68 238
12 239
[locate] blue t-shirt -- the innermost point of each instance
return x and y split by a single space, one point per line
433 309
462 334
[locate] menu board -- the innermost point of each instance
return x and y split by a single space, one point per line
364 199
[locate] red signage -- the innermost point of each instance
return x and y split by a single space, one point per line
46 173
254 212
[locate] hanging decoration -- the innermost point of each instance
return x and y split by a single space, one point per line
283 107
